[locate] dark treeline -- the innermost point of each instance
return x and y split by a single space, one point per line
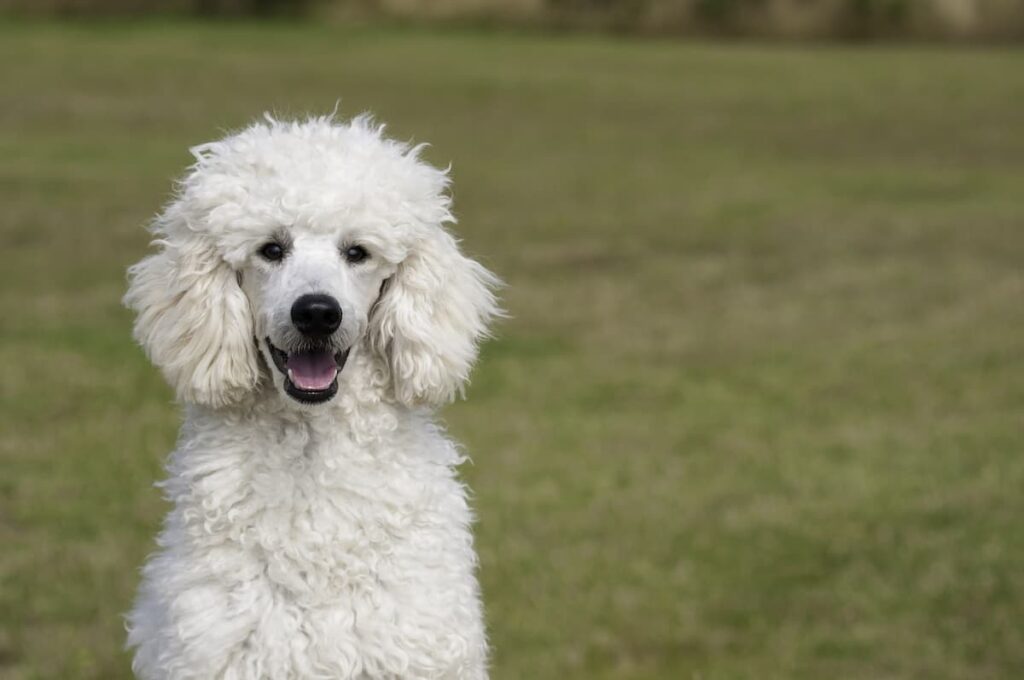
957 19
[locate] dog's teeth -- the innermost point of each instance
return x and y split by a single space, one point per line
290 376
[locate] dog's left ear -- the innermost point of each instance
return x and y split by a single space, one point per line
192 317
430 319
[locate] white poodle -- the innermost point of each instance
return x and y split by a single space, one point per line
310 310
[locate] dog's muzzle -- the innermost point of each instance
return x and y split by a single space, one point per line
310 375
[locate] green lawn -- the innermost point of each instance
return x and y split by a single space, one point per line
758 411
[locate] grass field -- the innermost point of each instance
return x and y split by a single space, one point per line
758 411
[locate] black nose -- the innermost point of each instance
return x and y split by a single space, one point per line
316 315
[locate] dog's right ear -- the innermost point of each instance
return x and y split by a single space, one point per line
193 319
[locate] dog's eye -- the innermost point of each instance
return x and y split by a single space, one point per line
356 254
272 252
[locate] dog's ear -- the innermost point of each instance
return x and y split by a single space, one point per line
430 319
192 317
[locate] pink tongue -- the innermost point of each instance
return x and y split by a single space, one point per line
313 370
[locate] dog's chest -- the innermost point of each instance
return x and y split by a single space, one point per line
354 551
325 516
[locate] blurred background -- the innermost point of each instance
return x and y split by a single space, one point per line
757 412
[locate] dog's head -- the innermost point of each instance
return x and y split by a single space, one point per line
309 242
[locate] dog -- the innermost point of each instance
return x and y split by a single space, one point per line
311 311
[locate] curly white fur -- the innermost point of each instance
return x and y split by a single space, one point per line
311 541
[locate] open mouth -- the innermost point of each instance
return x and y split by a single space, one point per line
310 376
